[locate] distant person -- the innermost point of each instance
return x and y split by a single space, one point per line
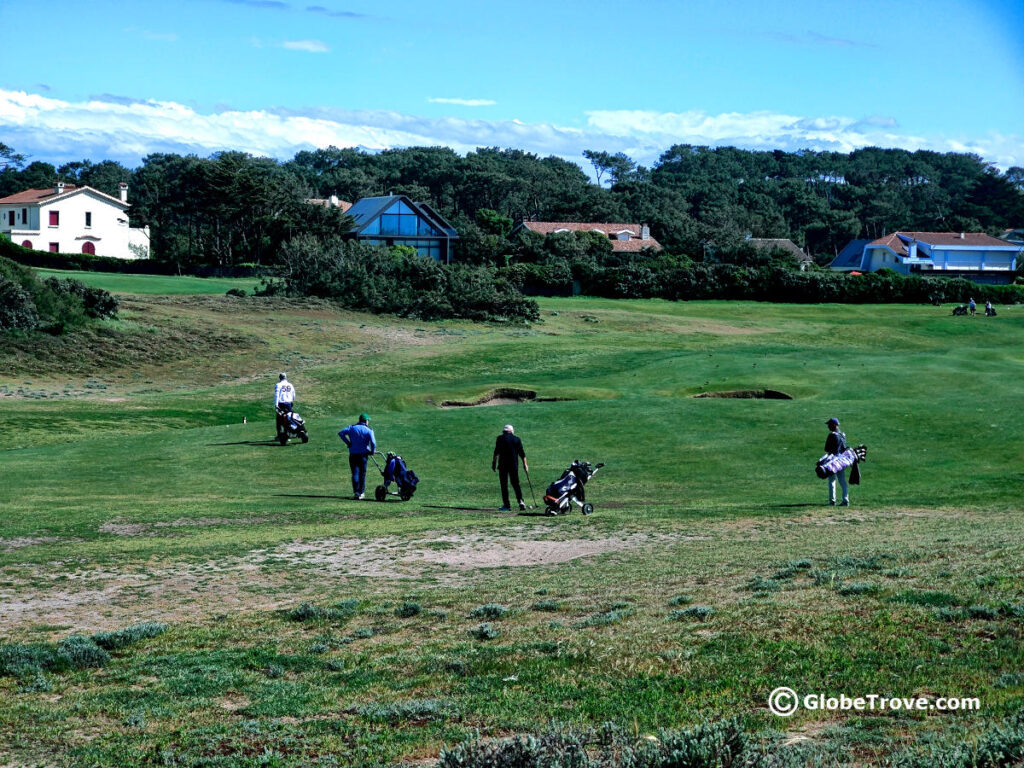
972 307
508 450
835 443
989 312
284 401
361 444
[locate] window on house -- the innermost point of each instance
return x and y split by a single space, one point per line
88 218
89 248
26 244
54 247
54 218
24 215
10 218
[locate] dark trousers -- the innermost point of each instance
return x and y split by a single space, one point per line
282 411
507 474
357 463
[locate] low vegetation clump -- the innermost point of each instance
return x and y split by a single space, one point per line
485 631
52 305
857 588
120 638
694 612
413 710
308 612
489 611
613 615
408 609
546 605
709 745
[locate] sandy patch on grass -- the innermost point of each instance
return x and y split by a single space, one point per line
26 541
266 579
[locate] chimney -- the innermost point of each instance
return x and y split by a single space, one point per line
123 188
58 188
645 232
333 201
962 237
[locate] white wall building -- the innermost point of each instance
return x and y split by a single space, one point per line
69 219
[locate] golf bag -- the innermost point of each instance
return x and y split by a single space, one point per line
568 489
396 471
293 426
990 311
831 463
960 310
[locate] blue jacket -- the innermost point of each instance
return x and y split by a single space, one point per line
359 438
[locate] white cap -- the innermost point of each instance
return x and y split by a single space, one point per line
508 428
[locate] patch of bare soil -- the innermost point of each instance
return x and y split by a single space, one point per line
26 541
122 528
264 579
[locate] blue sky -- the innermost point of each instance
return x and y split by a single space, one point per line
117 80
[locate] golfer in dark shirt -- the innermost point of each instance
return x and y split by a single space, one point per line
508 449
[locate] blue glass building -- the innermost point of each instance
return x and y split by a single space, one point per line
397 220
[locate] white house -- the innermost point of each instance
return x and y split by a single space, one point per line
973 255
69 219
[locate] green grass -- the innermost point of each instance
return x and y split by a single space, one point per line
164 285
308 626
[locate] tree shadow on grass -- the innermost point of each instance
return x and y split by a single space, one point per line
460 509
249 442
314 496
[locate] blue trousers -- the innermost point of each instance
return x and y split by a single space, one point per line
357 463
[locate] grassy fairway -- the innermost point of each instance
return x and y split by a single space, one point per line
711 573
153 285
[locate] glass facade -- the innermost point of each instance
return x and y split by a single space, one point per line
399 224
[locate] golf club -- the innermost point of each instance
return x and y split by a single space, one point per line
532 494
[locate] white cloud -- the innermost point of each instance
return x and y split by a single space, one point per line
465 102
308 46
126 129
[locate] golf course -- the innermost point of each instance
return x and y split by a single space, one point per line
177 589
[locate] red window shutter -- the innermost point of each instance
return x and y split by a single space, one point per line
54 218
54 247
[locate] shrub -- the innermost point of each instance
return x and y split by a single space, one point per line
858 588
120 638
484 631
81 652
237 292
411 710
408 609
308 612
696 612
681 600
611 616
708 745
489 611
398 281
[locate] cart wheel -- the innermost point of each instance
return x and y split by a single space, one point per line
405 497
588 508
380 493
551 512
305 437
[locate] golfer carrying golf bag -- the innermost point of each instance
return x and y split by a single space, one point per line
508 450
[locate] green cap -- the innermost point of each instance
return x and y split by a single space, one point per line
364 417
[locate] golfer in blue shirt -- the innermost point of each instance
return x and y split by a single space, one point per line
361 445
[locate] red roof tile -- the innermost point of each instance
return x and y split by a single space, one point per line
34 195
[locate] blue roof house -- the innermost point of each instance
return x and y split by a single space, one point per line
397 220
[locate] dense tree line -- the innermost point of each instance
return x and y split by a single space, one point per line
701 202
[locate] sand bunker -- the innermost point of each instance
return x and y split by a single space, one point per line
502 396
749 394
